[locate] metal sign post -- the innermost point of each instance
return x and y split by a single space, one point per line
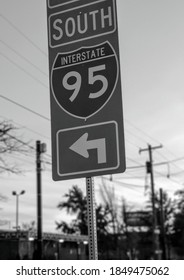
91 212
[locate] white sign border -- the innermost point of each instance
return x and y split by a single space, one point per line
87 171
62 4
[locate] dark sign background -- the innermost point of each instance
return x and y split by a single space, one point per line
83 106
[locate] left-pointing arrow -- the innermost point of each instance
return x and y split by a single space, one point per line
82 145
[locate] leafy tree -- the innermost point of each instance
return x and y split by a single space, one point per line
110 201
121 241
2 198
178 224
10 144
29 226
164 218
76 204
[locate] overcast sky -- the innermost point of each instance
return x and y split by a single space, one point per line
152 66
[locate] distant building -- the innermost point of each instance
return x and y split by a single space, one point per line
22 245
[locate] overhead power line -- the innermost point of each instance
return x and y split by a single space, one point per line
22 69
133 187
46 118
135 161
24 107
20 141
7 169
153 139
29 146
137 137
22 126
24 58
23 34
135 167
140 130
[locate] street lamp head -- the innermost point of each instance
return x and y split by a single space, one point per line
22 192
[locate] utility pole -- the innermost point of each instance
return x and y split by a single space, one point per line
154 214
40 148
162 227
128 251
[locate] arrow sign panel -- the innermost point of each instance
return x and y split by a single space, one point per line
88 149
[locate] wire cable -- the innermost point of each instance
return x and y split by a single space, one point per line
22 69
22 34
24 107
23 57
21 126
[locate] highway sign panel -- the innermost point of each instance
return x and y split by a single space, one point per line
85 86
138 218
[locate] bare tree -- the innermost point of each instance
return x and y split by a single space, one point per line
109 197
9 144
2 199
31 227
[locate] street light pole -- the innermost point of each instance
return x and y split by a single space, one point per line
17 207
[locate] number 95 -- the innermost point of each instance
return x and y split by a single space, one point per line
92 78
